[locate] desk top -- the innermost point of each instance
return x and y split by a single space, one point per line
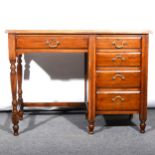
75 32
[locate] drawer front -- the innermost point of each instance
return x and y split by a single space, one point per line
118 59
117 101
118 79
120 42
51 42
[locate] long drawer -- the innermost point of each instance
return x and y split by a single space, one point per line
51 42
118 78
119 42
118 101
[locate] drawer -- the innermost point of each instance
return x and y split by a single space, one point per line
118 59
120 42
51 42
118 79
123 101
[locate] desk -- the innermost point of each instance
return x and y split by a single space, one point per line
116 69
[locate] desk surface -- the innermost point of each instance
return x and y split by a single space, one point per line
75 32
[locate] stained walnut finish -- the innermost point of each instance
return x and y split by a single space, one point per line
121 75
116 70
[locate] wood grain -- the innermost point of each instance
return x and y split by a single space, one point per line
12 47
92 80
56 104
117 66
89 32
118 59
131 101
118 78
144 77
126 41
50 42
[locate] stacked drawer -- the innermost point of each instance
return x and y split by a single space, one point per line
118 70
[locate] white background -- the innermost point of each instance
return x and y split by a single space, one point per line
60 77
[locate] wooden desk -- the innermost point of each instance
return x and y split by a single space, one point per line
117 69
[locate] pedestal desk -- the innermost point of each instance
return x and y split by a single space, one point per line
116 62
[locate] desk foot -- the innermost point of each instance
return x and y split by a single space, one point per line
90 127
142 127
15 121
15 128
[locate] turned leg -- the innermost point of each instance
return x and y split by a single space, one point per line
90 127
15 117
20 99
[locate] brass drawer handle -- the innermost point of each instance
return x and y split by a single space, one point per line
52 43
118 75
118 57
119 43
121 99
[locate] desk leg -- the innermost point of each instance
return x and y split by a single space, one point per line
92 84
13 77
20 99
143 114
143 105
85 80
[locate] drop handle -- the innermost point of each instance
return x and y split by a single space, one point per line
118 75
119 43
120 57
52 43
121 99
